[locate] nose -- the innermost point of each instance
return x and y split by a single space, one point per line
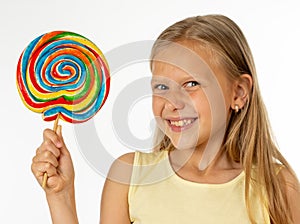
175 100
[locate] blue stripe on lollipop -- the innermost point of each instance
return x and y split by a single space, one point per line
81 116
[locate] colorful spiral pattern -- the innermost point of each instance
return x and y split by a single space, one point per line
63 74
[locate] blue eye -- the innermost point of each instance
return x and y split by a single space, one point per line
191 84
161 87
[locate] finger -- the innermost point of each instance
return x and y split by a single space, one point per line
46 156
63 149
50 134
38 170
48 145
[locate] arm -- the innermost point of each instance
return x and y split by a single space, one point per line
54 158
114 202
62 207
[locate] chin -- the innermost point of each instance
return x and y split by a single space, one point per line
185 142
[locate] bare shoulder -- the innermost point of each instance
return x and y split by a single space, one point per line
127 158
291 180
121 169
114 200
293 193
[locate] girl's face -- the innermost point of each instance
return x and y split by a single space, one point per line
191 99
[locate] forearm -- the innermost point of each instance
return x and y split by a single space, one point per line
63 208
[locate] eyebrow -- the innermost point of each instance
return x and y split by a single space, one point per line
155 81
160 79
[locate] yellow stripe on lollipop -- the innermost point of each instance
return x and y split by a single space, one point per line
62 93
92 46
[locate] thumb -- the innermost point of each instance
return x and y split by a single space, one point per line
64 149
59 132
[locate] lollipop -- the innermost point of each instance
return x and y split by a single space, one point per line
63 75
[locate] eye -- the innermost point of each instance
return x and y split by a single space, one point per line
160 87
191 84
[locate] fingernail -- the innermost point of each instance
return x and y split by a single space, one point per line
58 144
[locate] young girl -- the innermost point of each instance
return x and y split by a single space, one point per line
215 160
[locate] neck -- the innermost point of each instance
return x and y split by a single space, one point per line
195 158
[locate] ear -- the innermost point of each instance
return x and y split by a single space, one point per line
242 89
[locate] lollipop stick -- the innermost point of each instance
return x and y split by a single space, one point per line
55 123
45 177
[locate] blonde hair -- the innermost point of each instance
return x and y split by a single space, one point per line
248 137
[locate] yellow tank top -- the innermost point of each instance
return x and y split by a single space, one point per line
157 195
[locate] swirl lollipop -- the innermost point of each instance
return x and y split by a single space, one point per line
63 75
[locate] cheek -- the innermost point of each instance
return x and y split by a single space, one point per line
201 105
157 106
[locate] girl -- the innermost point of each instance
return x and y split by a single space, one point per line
215 160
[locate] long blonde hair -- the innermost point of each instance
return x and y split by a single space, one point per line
248 137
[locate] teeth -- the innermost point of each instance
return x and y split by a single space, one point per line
181 122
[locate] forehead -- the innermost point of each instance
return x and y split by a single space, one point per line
180 60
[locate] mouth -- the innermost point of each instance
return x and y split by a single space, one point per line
178 125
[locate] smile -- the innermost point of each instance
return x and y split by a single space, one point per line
181 124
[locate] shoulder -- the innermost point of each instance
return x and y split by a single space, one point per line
114 199
150 158
127 158
121 169
293 192
291 181
286 173
136 164
141 158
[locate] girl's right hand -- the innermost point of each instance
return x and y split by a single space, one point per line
53 158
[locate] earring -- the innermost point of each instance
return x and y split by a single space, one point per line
236 108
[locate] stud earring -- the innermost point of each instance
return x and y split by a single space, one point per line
236 108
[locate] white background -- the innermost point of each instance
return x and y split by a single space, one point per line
271 27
